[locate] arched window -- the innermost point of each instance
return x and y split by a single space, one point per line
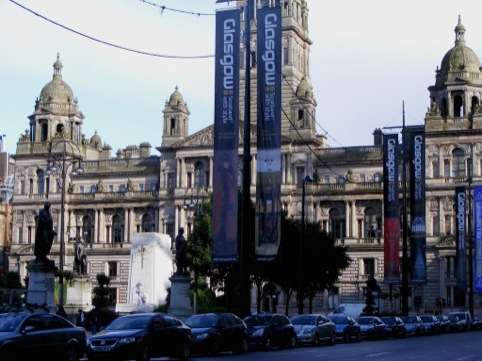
147 223
337 224
40 181
371 223
117 228
458 106
87 230
199 175
458 162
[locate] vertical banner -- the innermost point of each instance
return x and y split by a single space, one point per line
226 124
460 240
391 209
418 265
268 177
478 239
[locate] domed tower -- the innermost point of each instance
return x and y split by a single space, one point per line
455 97
176 119
56 111
303 106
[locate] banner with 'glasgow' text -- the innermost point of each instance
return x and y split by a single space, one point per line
226 124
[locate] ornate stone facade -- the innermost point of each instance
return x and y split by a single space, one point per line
164 190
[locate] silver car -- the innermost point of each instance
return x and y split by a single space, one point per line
314 329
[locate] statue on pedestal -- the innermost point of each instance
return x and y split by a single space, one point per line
181 250
80 259
44 235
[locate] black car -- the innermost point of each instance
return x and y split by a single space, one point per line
347 329
444 323
432 324
267 330
372 327
395 326
28 336
141 336
213 333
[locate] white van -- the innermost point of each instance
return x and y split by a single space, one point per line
350 309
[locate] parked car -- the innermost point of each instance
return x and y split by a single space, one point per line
413 325
314 329
395 326
432 324
465 317
267 330
372 327
476 324
444 323
141 336
213 333
347 329
456 324
28 336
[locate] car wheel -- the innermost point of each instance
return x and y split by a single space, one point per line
242 347
215 348
358 337
145 354
316 340
8 354
333 338
185 351
73 353
292 342
268 345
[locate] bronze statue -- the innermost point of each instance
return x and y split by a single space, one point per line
181 250
45 233
80 259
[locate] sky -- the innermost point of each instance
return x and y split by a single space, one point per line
369 60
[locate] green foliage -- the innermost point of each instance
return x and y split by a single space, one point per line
11 280
101 293
66 274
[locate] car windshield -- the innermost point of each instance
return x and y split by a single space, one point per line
365 321
389 320
303 320
453 318
427 318
256 321
340 320
202 321
10 321
129 323
410 319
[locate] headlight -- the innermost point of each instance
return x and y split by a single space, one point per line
125 340
202 336
258 333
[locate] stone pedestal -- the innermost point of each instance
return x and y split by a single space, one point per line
79 295
150 269
41 283
180 296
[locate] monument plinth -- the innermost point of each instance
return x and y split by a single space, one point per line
180 295
41 283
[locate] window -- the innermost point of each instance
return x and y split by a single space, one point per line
147 223
327 179
337 224
122 188
448 225
371 223
141 187
362 178
369 266
117 228
199 175
87 229
377 177
93 189
154 187
112 296
111 188
81 189
112 269
458 160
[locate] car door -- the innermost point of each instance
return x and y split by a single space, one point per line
324 327
229 330
34 339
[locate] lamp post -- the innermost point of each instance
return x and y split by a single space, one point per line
302 236
60 163
471 243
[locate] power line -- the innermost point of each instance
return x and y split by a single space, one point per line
163 8
111 44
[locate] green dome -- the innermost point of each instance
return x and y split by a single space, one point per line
57 91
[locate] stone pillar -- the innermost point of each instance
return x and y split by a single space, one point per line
41 283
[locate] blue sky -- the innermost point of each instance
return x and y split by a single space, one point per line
366 59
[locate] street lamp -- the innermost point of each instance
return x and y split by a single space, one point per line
305 179
60 162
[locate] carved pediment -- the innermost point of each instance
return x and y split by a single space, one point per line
29 249
446 241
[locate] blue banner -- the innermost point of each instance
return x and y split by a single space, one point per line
478 239
418 263
226 130
268 187
391 219
460 239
